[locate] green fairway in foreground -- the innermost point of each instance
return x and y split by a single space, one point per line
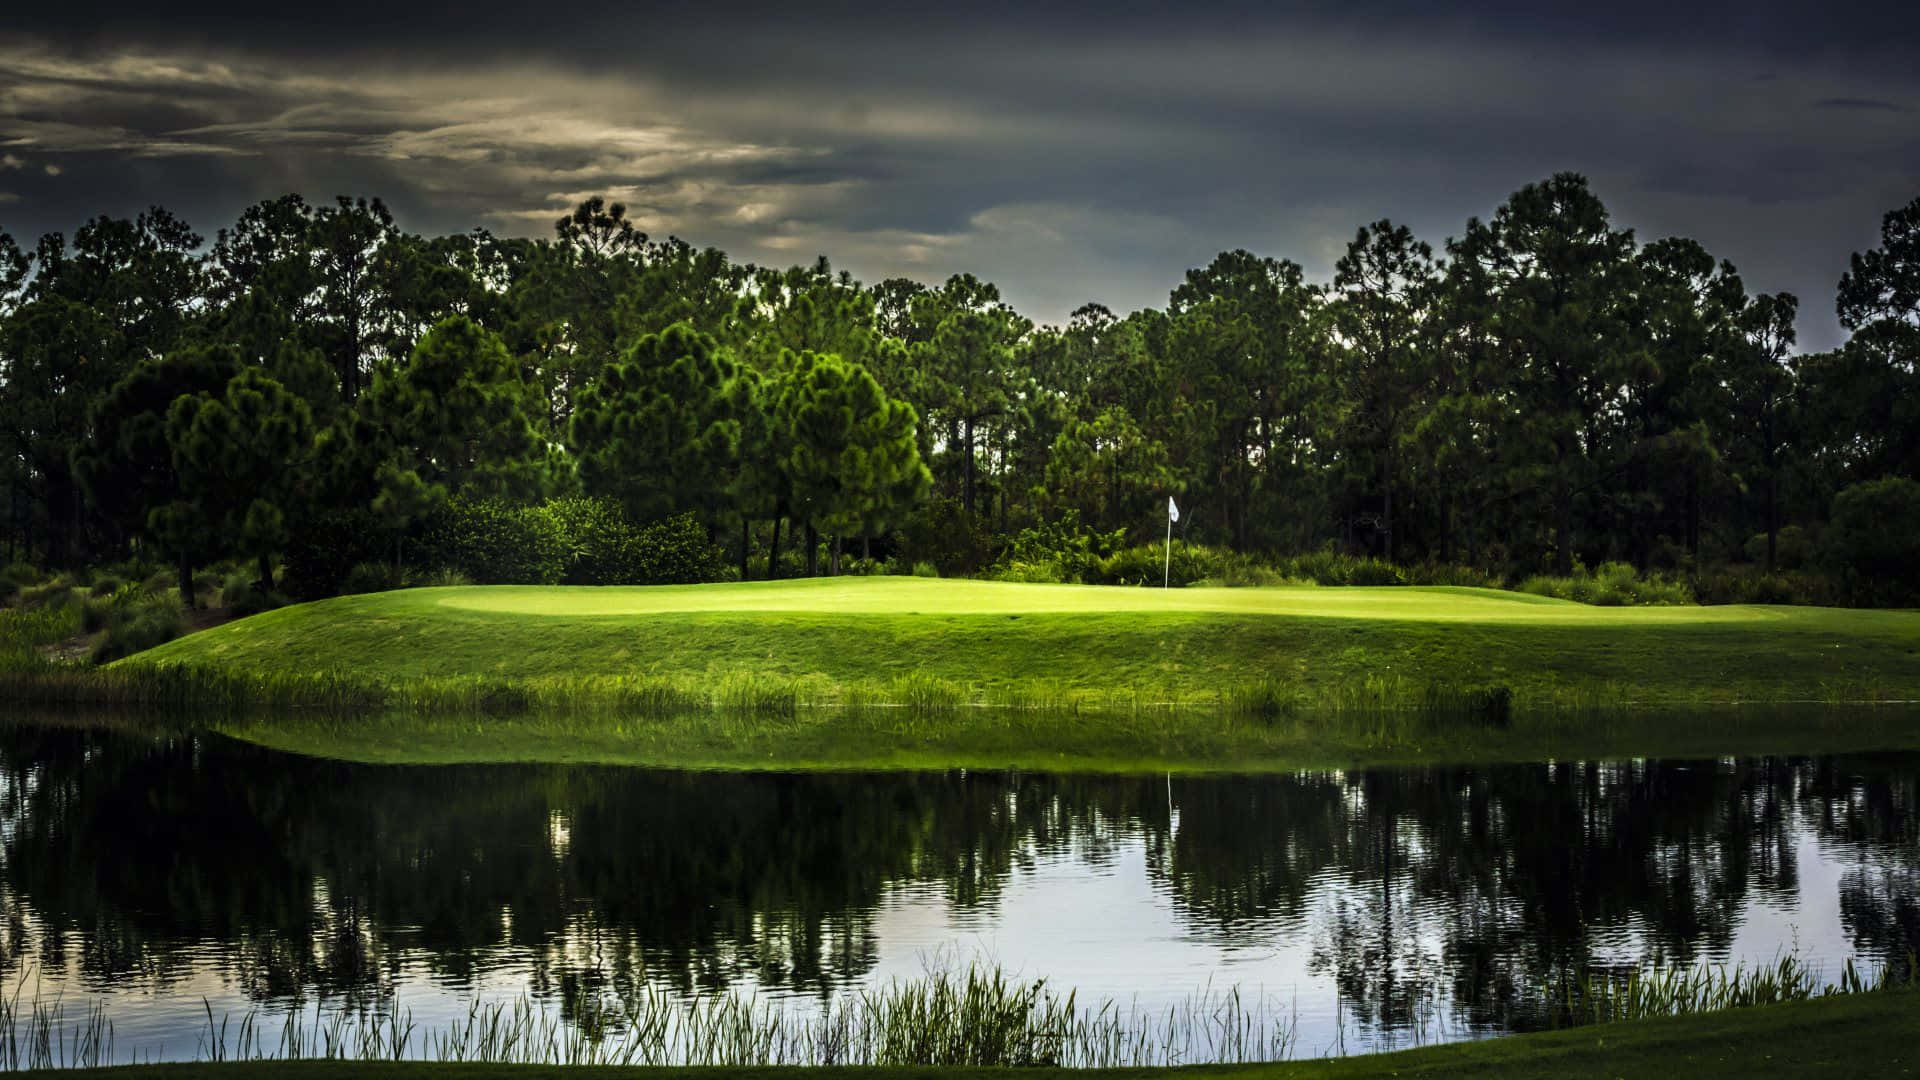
1856 1035
866 638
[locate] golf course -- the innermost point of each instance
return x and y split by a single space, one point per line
932 673
989 642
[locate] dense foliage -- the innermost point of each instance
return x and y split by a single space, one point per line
319 390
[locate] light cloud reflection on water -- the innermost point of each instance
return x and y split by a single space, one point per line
1372 908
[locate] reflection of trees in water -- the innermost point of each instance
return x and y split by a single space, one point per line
1522 874
1469 885
1864 813
307 873
116 850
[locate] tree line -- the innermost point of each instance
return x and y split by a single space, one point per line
1539 392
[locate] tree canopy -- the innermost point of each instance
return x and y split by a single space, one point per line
1541 390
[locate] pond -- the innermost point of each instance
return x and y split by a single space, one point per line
174 877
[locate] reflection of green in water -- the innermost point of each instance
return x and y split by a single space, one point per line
1141 740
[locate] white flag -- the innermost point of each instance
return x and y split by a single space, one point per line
1173 512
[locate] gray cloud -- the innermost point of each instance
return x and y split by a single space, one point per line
1860 103
1068 159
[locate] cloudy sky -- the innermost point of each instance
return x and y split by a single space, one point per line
1070 152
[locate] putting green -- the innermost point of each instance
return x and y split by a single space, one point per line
898 640
926 596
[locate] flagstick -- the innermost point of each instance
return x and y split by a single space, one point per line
1166 572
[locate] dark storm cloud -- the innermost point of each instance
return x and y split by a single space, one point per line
1861 103
1068 153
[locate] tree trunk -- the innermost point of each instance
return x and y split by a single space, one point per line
966 486
866 548
185 569
773 553
1693 509
63 517
813 551
834 567
746 542
266 573
1386 488
1773 521
1004 471
1562 522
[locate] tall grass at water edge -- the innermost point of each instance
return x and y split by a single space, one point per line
979 1017
1645 993
27 678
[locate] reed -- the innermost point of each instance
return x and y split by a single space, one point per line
43 1035
29 678
976 1017
1643 993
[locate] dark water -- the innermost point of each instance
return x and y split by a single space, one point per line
1381 906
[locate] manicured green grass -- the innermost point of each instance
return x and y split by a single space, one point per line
871 639
1875 1034
907 672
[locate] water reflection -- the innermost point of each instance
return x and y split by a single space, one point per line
162 869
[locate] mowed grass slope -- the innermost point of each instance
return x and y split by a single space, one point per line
859 636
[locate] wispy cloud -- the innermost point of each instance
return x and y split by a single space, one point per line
1068 159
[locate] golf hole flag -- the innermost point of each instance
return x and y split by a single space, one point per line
1166 571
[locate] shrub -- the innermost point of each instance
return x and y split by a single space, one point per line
1057 551
601 546
1792 548
1329 567
321 552
440 579
676 551
139 626
1752 585
55 593
1874 542
94 612
1614 584
923 568
493 542
236 588
19 575
1042 573
1454 576
243 596
948 538
1148 564
371 577
23 633
1247 575
105 585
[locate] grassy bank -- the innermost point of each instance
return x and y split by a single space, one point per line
1145 741
1851 1035
905 672
929 642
